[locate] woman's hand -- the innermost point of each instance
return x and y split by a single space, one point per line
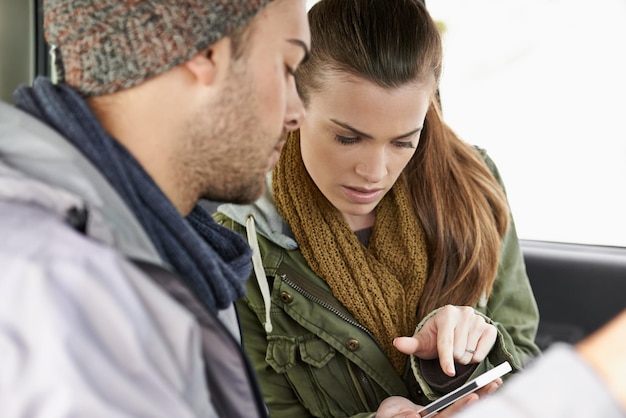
453 333
399 407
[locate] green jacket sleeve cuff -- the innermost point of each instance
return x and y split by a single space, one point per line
497 355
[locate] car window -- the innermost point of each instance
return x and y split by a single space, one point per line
16 46
545 94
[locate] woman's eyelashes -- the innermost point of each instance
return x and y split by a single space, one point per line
346 140
405 144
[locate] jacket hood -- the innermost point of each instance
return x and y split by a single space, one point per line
39 167
269 223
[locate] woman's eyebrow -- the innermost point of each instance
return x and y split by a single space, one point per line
364 135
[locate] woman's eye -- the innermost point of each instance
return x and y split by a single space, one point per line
403 144
346 140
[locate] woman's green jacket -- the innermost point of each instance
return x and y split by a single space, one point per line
317 360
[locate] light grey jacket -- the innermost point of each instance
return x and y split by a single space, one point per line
557 385
83 331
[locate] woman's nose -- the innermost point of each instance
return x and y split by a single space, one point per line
373 168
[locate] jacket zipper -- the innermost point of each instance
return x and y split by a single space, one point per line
328 306
368 390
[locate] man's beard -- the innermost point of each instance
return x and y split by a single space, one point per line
223 161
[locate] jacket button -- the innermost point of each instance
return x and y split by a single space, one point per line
286 297
352 344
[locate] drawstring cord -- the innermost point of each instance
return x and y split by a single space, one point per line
259 272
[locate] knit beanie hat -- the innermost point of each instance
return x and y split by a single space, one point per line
110 45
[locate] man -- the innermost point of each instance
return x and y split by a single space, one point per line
116 288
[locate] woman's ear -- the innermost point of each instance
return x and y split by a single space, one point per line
211 65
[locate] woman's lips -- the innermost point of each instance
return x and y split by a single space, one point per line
363 196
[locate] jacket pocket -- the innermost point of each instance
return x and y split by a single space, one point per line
317 373
316 353
281 353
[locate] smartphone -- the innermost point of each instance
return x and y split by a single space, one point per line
471 386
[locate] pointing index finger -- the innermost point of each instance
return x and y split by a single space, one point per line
445 347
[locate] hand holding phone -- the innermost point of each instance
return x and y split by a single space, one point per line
469 387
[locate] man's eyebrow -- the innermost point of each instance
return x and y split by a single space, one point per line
364 135
304 47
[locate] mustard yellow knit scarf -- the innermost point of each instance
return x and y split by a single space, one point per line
380 285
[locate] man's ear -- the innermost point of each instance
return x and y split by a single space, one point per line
211 65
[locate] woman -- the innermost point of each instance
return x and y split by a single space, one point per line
380 223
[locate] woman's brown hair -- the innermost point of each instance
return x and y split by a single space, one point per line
460 205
